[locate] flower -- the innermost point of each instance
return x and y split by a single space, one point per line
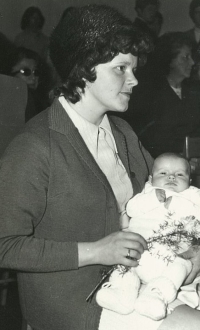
172 235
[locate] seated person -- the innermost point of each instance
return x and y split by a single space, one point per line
29 67
174 104
168 205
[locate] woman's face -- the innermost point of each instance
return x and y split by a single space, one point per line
26 70
148 13
181 66
35 22
112 88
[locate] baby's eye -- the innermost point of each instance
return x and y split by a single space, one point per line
163 173
180 174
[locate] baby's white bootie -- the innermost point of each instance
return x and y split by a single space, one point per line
153 301
120 293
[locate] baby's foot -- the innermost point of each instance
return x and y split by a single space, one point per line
151 304
120 293
153 301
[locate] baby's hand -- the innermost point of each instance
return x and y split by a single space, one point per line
160 193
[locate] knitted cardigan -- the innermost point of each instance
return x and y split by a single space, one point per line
53 195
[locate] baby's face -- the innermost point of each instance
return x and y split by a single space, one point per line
171 173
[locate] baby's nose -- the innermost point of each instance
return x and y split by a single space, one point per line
171 177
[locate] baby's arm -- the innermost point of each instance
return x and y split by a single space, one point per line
144 202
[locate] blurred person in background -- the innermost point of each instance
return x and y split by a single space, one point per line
194 33
32 37
156 24
28 66
174 108
146 14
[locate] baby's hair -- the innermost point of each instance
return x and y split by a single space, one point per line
173 155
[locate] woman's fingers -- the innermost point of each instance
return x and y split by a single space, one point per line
114 248
135 241
132 254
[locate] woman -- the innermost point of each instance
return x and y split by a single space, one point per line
174 106
63 228
32 37
193 33
29 67
25 67
61 204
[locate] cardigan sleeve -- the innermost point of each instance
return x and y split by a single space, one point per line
24 175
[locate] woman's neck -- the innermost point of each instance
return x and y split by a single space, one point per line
87 112
174 81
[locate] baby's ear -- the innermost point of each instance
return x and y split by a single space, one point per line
150 178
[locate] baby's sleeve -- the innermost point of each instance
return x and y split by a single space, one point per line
142 203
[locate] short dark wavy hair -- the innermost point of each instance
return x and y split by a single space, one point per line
29 12
22 52
193 5
166 49
100 33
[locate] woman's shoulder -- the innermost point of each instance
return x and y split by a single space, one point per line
20 37
122 124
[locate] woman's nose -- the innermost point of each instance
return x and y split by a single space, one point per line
191 61
33 77
132 81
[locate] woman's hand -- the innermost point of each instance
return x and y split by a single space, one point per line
113 249
192 254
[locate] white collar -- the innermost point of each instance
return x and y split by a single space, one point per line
88 130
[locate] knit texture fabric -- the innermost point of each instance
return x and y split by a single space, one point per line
80 32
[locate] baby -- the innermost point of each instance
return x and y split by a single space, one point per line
166 200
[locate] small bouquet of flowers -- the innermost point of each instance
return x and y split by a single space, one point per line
165 242
173 235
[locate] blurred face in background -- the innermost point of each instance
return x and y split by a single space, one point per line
26 70
156 25
196 17
181 66
148 14
35 22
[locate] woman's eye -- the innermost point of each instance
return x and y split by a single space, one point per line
187 57
121 68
